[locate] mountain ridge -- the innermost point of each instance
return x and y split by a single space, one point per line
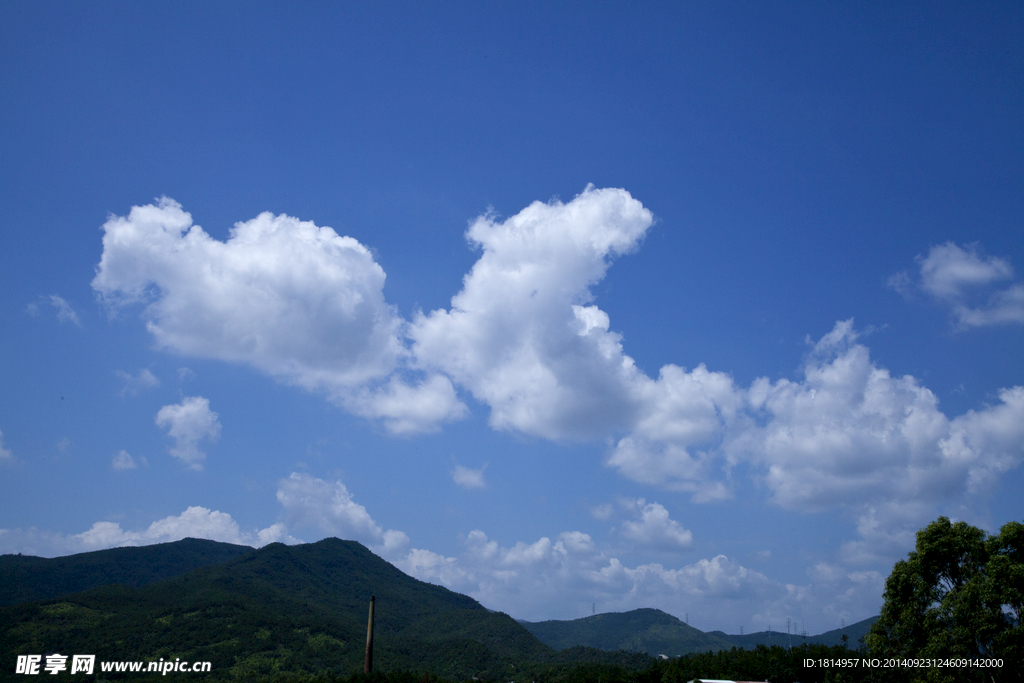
26 578
643 630
280 608
657 633
854 632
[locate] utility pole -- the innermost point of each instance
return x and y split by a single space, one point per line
368 662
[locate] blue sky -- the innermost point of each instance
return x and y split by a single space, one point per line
704 308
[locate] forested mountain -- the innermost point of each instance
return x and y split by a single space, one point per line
299 610
641 630
24 578
279 608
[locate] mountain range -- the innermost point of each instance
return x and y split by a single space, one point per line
854 632
303 609
658 633
278 609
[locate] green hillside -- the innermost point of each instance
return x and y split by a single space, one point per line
278 609
24 578
641 630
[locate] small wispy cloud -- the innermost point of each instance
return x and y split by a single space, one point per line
966 281
469 478
189 423
133 384
124 461
65 312
5 453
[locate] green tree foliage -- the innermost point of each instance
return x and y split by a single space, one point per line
957 595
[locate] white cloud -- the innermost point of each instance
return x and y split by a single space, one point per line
1005 306
5 453
63 310
949 271
684 418
903 284
469 478
519 337
124 461
132 385
653 527
330 508
297 301
189 423
406 409
63 445
562 578
885 532
849 435
961 277
65 313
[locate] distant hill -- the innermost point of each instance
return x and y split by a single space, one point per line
853 632
281 609
655 632
642 630
24 578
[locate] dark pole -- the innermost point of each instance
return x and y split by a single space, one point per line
368 662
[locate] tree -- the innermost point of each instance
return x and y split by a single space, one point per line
959 594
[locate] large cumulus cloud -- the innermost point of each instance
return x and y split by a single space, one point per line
294 300
520 335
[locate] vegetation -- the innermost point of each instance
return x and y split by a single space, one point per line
280 609
957 595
